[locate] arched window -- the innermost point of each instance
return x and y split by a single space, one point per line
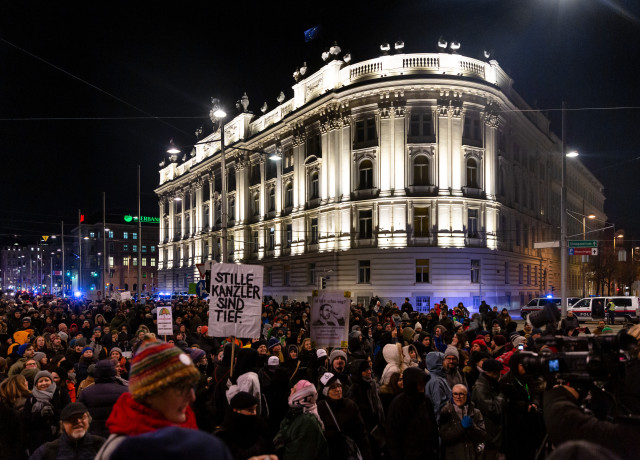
365 171
472 173
314 185
421 171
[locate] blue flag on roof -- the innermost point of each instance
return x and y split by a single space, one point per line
311 34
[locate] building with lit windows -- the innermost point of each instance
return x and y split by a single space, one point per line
409 175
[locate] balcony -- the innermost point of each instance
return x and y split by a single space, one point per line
422 190
365 194
473 192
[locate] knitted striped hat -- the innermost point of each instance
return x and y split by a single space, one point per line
158 365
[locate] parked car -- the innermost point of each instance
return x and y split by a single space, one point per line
595 308
538 304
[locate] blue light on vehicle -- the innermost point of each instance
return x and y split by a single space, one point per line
549 296
77 294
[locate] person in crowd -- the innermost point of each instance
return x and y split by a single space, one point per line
487 398
411 427
75 441
342 421
438 338
244 433
437 389
301 431
461 427
275 348
160 393
451 369
42 411
364 392
394 356
25 352
569 324
101 396
390 390
13 396
498 346
338 367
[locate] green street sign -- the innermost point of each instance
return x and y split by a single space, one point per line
583 244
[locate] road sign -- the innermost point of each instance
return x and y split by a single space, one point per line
583 244
201 269
201 288
546 244
583 251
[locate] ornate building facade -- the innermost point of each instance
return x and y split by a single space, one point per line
409 175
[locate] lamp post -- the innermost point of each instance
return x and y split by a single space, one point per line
584 232
218 114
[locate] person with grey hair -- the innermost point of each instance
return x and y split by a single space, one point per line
461 426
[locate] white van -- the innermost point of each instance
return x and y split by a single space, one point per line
538 304
595 308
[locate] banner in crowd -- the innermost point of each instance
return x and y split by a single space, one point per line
330 319
235 300
165 320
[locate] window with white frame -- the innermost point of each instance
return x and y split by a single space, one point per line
422 270
286 275
314 185
271 238
288 195
313 230
289 235
365 224
365 175
420 125
472 223
272 199
472 173
421 222
312 272
421 171
364 271
475 271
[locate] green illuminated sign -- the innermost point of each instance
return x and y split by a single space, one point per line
144 219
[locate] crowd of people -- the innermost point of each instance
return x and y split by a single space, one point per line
86 379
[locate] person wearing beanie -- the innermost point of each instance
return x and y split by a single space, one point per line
517 340
42 411
101 396
364 392
275 386
411 426
82 366
338 367
25 351
243 432
490 401
341 417
451 368
301 431
275 348
473 370
161 389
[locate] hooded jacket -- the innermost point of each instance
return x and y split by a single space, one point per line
393 354
437 389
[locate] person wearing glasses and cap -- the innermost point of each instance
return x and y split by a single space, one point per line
461 426
75 440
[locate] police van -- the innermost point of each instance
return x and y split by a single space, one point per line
538 304
595 308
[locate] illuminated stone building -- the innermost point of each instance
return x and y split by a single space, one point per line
409 175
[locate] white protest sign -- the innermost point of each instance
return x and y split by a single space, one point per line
165 320
330 319
235 300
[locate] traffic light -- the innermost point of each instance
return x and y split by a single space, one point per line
324 282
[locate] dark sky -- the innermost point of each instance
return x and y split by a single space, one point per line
90 90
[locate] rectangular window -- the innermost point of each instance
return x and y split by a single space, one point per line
153 249
144 261
125 235
111 261
289 235
475 271
365 131
268 276
125 261
365 224
312 274
364 271
420 125
422 270
472 223
520 274
272 239
313 145
110 234
134 236
153 262
314 230
254 246
135 261
288 158
135 248
506 273
517 233
423 304
92 234
535 276
286 275
125 248
528 274
421 222
144 248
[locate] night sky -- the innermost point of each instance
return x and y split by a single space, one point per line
89 91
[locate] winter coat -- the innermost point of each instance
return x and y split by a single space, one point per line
411 429
487 398
42 426
100 399
459 442
245 435
366 396
301 437
65 448
437 388
350 424
393 355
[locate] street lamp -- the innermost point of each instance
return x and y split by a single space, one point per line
584 232
218 114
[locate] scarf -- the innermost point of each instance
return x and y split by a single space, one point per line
305 397
130 418
43 398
